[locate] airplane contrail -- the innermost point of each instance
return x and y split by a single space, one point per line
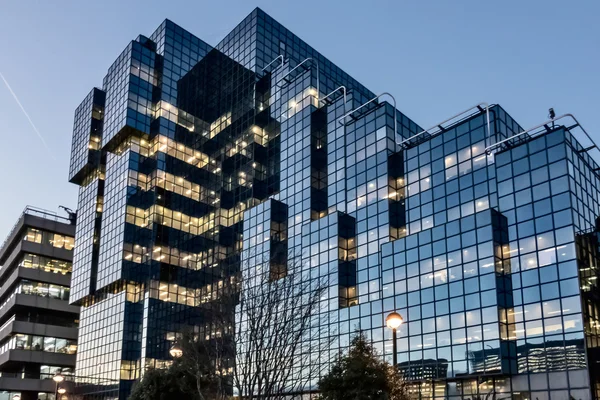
28 117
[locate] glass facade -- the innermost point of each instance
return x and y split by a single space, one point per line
207 160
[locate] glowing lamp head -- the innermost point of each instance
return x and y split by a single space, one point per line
394 320
58 378
62 390
176 351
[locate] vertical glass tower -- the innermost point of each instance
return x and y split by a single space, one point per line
194 161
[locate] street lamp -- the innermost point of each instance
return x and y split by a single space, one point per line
58 378
176 351
16 397
61 391
393 321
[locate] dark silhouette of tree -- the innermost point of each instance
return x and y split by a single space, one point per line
195 375
361 375
159 385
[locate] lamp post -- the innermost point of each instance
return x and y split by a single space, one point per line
61 391
58 378
393 321
176 351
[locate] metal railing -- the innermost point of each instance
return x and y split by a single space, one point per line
545 125
549 126
36 212
28 375
298 66
319 99
275 59
78 386
40 212
439 128
342 88
343 117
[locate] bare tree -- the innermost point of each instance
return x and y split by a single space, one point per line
266 336
280 334
202 366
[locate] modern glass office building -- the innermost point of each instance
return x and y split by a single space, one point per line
193 160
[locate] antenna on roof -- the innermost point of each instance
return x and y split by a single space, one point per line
551 115
72 214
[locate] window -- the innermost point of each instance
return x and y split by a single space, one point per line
60 241
33 235
48 371
43 290
40 343
55 239
46 264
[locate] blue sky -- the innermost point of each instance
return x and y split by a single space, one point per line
436 57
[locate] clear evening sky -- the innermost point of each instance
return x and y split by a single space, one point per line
436 57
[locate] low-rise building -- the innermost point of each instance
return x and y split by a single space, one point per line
38 326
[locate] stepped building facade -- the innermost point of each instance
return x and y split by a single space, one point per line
194 161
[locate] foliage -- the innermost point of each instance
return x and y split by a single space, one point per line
192 376
158 385
361 375
201 366
397 386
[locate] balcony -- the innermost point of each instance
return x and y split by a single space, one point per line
36 357
32 301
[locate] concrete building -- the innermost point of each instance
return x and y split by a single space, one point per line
38 326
